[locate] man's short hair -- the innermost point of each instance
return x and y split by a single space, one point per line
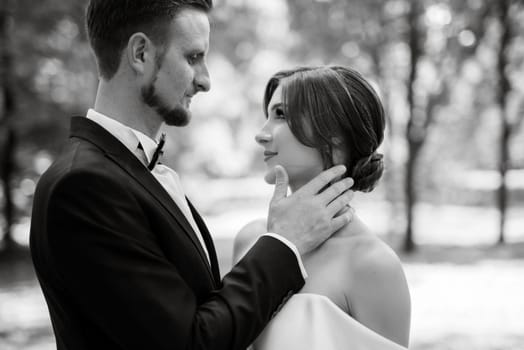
110 24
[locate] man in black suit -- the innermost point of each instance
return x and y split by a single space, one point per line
123 259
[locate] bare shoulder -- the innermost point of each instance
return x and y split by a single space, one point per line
364 252
247 236
379 295
374 267
370 255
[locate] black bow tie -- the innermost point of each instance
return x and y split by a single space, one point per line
158 152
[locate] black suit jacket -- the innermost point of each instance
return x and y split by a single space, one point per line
121 268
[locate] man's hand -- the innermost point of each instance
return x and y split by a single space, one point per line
307 218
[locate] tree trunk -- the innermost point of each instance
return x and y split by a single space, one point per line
502 94
413 131
7 134
409 243
8 143
391 179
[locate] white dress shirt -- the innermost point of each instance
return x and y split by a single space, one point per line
166 176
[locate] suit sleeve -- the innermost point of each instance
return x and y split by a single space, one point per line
110 265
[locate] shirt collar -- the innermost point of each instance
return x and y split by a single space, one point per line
131 138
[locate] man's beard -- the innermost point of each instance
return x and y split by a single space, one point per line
176 116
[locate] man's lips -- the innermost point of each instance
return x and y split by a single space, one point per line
268 154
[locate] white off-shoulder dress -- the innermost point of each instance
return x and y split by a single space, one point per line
313 322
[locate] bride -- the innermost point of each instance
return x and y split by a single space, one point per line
356 295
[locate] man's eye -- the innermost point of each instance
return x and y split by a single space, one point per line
192 59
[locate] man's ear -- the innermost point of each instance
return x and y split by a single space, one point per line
140 53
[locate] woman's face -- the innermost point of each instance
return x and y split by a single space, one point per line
301 162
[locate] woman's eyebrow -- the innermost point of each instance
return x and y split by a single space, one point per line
276 105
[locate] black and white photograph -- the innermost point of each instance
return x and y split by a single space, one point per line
262 175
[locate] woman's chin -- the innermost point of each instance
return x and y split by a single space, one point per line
270 176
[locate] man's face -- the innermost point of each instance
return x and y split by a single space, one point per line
182 71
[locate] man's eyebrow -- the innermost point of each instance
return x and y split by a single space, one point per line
199 53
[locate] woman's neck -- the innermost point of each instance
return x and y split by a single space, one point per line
295 185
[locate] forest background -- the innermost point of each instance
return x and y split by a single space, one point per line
450 73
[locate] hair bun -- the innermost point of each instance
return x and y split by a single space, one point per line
367 171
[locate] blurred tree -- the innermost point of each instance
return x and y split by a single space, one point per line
54 72
503 15
47 65
418 121
7 132
449 34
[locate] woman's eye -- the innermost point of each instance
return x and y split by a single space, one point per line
279 113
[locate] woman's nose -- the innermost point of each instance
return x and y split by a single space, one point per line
263 137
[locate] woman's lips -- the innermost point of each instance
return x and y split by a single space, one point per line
268 155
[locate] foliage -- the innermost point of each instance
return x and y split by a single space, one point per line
456 86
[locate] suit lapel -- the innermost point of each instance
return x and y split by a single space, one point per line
92 132
210 246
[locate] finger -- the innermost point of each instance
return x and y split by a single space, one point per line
342 220
322 180
281 183
335 190
341 203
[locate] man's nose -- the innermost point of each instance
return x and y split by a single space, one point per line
202 80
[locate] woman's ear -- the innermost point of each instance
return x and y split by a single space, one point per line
338 155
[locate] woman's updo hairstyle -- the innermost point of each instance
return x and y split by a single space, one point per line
334 108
